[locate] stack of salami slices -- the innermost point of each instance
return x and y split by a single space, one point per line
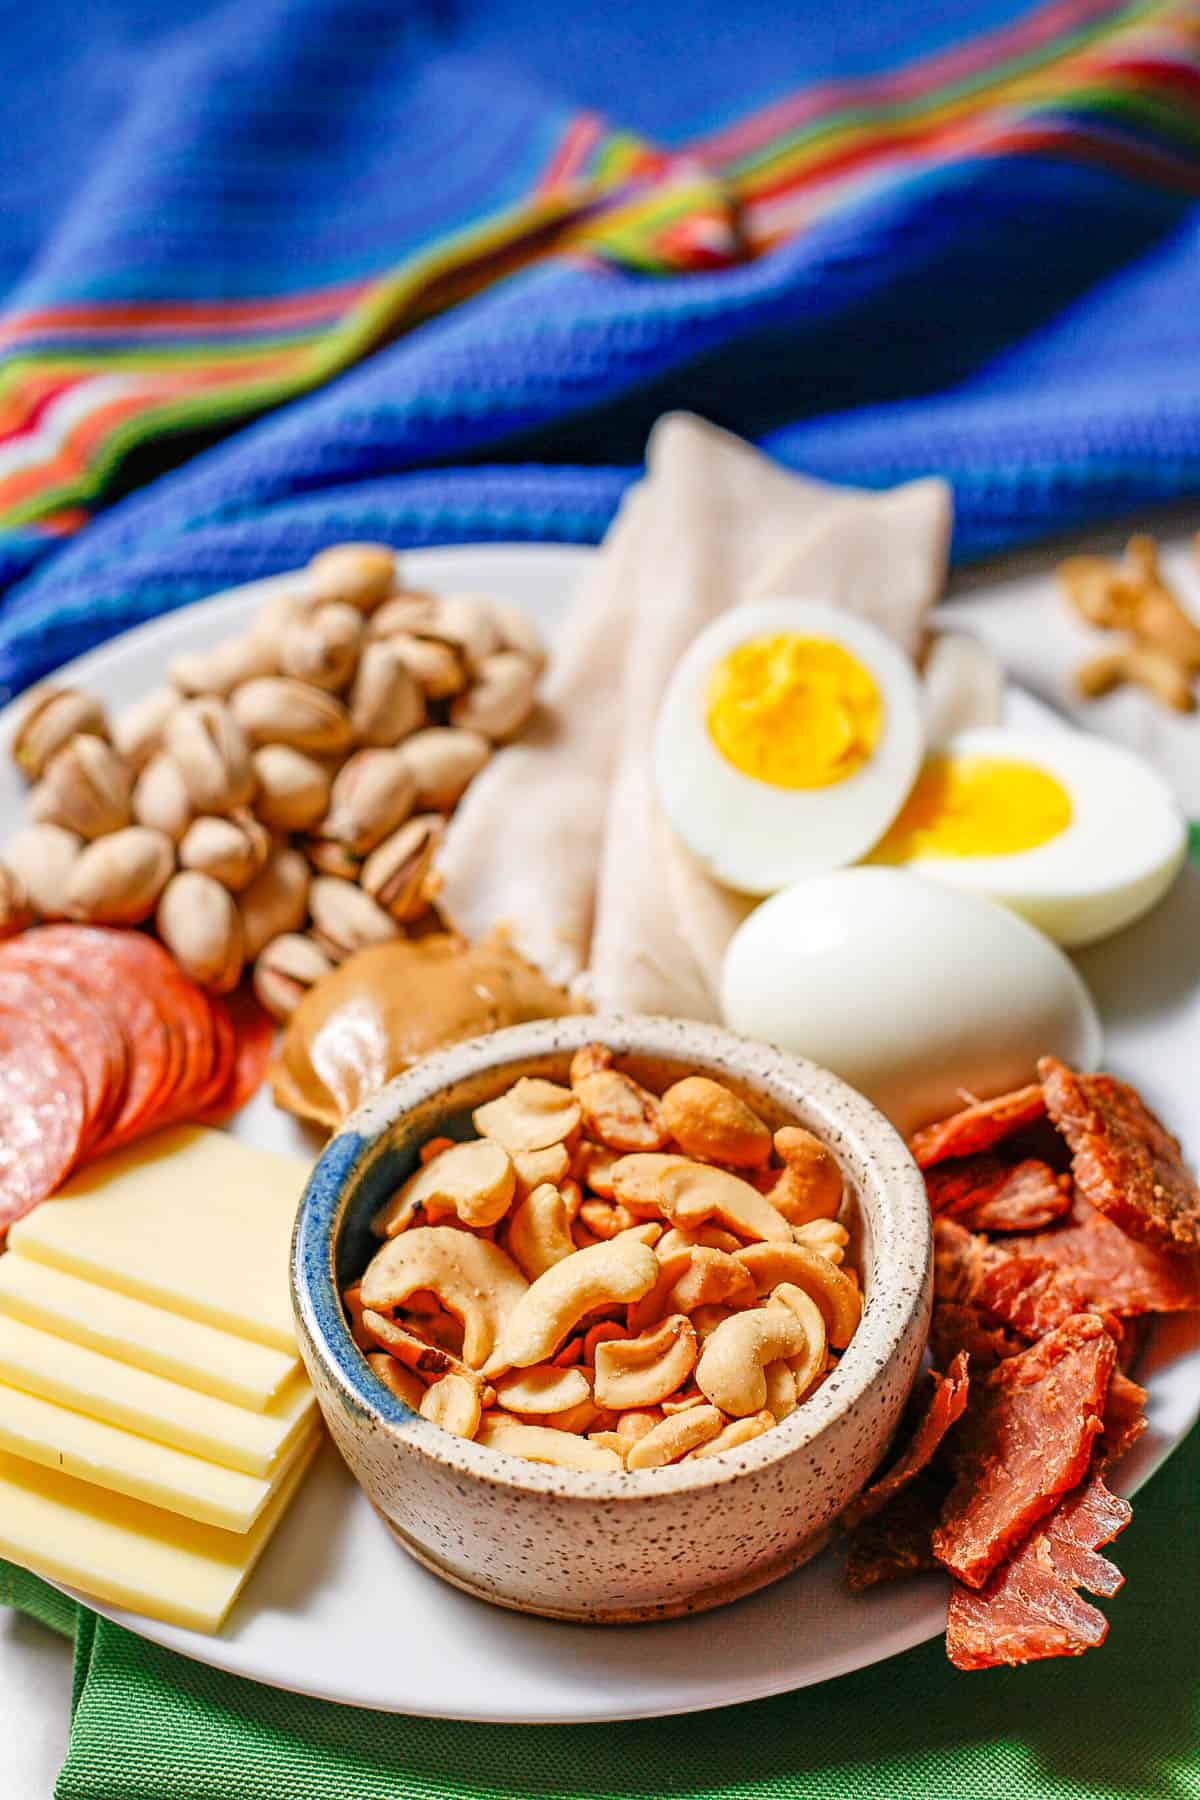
103 1039
1064 1219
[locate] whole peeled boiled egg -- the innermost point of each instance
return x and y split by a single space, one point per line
788 738
916 993
1078 835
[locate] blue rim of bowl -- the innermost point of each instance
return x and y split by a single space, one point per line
321 1317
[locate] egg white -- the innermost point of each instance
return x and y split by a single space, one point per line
749 834
912 991
1120 852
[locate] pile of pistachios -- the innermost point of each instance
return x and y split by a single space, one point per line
280 801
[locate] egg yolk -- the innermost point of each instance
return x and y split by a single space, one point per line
976 806
792 711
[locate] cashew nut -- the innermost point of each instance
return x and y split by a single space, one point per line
738 1431
606 1218
583 1417
674 1438
592 1166
352 1301
454 1404
397 1379
545 1389
809 1364
730 1370
708 1278
641 1371
826 1236
708 1121
604 1275
532 1115
637 1423
684 1401
539 1233
533 1167
476 1181
810 1186
834 1292
588 1059
647 1232
605 1331
608 1440
690 1194
782 1397
619 1112
471 1277
707 1318
689 1279
541 1443
408 1347
711 1237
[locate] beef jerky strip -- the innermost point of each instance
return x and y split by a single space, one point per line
1125 1161
944 1407
1112 1270
1031 1608
979 1126
1026 1439
985 1193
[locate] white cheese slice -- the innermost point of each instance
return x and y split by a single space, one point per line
82 1379
146 1337
191 1220
128 1554
124 1463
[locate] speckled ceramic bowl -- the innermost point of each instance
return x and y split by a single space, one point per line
629 1546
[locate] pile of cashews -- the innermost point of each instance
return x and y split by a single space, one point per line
608 1279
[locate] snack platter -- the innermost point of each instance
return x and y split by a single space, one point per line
311 1620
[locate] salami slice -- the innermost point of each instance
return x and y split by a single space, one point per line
980 1126
83 1027
1125 1161
254 1037
1026 1439
87 955
1031 1607
186 1018
945 1405
43 1114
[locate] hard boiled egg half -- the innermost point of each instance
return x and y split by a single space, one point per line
790 734
1076 834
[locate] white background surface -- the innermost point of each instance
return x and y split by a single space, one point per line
1012 606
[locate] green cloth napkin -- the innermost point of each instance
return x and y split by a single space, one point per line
1122 1722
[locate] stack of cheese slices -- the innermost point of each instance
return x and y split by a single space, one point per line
155 1419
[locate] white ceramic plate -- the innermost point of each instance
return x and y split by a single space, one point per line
336 1609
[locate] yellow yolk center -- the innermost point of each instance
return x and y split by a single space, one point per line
976 806
795 712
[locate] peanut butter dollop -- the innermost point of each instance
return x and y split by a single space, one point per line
390 1005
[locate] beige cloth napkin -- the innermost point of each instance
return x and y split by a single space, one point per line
561 839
